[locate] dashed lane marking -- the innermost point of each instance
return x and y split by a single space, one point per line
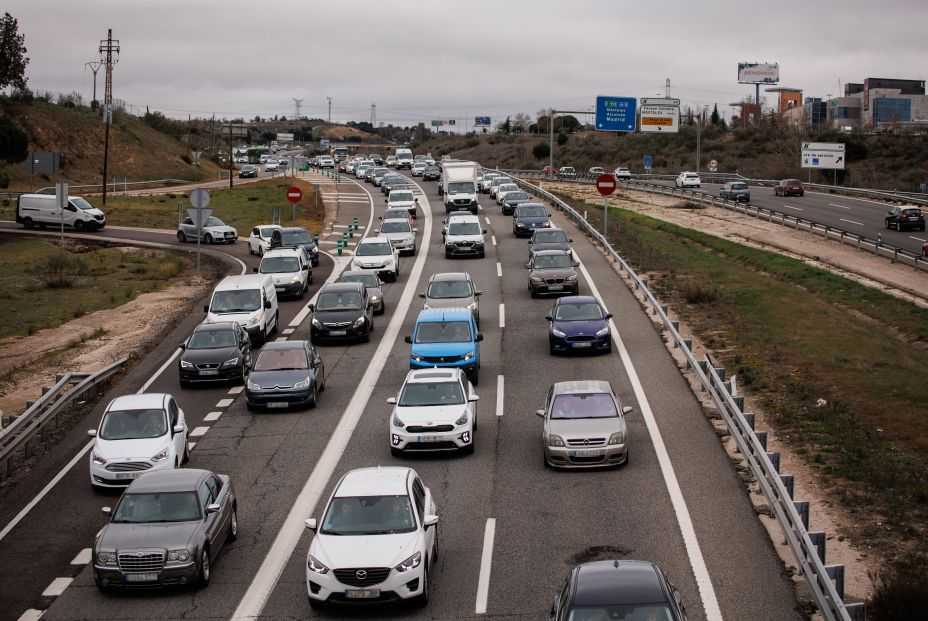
57 587
198 432
212 416
502 315
793 208
31 615
851 221
841 206
236 390
486 560
83 557
499 395
499 269
289 331
224 403
493 239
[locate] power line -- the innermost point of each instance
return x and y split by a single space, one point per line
297 104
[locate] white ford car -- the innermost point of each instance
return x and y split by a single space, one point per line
377 540
137 434
436 410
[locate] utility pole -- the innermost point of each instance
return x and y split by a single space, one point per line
329 120
107 49
373 113
667 88
94 66
230 155
297 104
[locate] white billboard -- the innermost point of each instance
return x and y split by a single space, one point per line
758 73
284 137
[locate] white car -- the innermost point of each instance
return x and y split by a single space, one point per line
622 173
361 170
435 410
391 161
502 189
596 171
213 231
495 183
260 239
326 161
687 180
400 233
463 236
378 255
270 166
137 434
377 539
403 199
290 268
485 182
418 168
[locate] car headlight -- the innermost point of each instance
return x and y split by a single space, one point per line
603 332
416 357
313 565
546 224
468 355
537 279
397 422
231 362
185 365
179 555
411 563
295 280
558 333
255 319
571 278
250 385
359 322
317 323
161 455
617 438
388 261
554 440
375 298
462 420
472 306
520 225
106 558
303 383
97 458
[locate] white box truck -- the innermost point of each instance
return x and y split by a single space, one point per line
459 186
403 158
42 210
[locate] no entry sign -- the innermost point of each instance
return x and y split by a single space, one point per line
294 194
605 184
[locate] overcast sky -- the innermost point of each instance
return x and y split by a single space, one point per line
421 60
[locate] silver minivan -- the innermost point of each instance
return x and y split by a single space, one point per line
250 300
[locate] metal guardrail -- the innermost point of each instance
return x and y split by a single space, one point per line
826 582
70 389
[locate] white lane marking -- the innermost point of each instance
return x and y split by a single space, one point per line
31 615
500 380
479 206
493 239
793 208
280 339
289 331
191 445
212 416
499 269
693 551
224 403
502 315
57 587
486 560
287 538
487 218
918 239
236 390
837 205
851 221
83 557
198 432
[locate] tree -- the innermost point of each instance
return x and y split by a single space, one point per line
716 117
14 144
520 122
541 150
506 127
562 139
12 60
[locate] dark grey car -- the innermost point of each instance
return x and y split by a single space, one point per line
552 271
371 282
215 352
167 529
736 191
550 239
285 374
513 200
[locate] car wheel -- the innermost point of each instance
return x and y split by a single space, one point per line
181 237
250 249
447 255
28 223
208 239
205 569
312 404
276 322
241 379
184 384
233 525
79 226
260 250
383 308
423 599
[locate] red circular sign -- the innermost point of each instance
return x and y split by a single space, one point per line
605 184
294 194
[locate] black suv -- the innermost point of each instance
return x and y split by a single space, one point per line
905 217
343 310
294 237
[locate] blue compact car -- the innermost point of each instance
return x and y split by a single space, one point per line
579 323
446 337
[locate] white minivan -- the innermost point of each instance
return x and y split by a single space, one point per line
42 210
250 300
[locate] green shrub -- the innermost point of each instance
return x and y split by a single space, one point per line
541 150
562 139
60 271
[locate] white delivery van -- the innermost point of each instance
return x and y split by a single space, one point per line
42 210
403 158
250 300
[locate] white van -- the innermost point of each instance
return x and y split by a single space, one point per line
42 210
290 268
250 300
403 158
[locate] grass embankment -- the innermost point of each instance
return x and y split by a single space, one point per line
43 285
795 334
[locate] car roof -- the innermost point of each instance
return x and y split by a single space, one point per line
292 229
273 345
377 481
242 281
436 374
603 583
431 315
215 327
530 205
283 252
581 387
550 252
146 400
173 480
449 276
337 287
464 218
374 240
576 299
546 229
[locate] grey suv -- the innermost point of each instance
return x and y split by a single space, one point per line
452 290
736 191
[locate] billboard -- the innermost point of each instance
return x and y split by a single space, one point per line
284 137
482 121
758 73
442 122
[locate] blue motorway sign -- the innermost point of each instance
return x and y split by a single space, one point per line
481 121
616 114
648 161
923 186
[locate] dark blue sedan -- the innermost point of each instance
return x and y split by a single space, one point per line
579 323
528 217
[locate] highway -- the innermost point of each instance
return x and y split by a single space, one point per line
679 502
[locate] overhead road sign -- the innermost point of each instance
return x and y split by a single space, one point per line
616 114
660 115
605 184
284 137
829 155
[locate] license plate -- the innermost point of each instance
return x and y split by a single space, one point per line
362 593
277 404
209 372
150 577
279 289
338 332
429 438
581 345
587 453
126 476
555 287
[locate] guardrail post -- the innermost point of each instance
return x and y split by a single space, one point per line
789 482
836 573
749 419
762 438
857 611
802 508
895 254
739 401
774 461
720 371
818 540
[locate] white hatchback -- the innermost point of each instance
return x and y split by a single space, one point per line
687 180
260 239
137 434
377 540
377 254
435 410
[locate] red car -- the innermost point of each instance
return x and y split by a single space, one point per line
549 170
789 187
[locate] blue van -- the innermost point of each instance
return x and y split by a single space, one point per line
446 337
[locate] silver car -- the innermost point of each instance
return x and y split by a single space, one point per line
214 231
400 233
584 425
452 290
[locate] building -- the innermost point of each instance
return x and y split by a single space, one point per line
882 104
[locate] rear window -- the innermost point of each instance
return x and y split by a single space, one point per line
912 212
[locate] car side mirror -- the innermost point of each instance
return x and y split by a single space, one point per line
549 317
570 241
627 409
92 433
576 263
267 303
528 266
182 346
408 339
305 268
540 413
430 520
310 524
311 307
477 294
178 429
422 295
416 200
484 231
474 398
529 242
391 400
255 270
386 200
609 315
107 511
415 230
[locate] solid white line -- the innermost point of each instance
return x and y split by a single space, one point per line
499 269
31 615
851 221
502 315
486 560
280 339
57 587
487 218
493 239
793 208
212 416
236 390
83 557
264 581
694 552
841 206
224 403
198 432
499 395
918 239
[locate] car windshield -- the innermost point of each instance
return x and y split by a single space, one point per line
578 312
592 405
534 211
446 289
214 222
439 393
133 424
368 515
291 238
341 300
443 332
500 181
240 301
157 507
279 265
516 196
550 237
461 187
374 249
211 339
464 228
281 360
80 203
548 261
396 196
395 226
266 231
507 187
368 280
